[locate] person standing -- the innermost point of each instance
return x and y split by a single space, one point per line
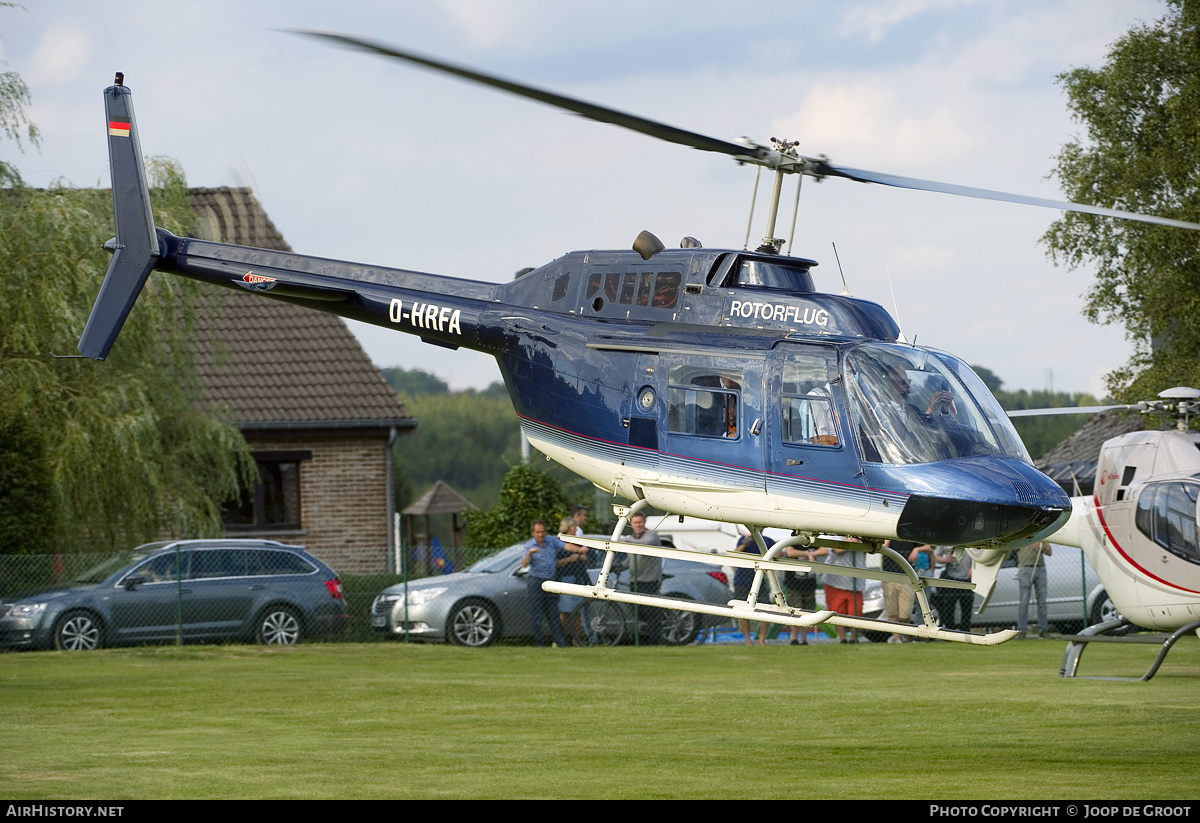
743 579
1031 578
574 569
645 576
543 555
843 592
946 600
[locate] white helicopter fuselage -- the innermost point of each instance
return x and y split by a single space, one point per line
1138 529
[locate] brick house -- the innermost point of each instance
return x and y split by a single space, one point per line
318 415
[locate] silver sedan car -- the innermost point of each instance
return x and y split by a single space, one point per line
1075 597
489 601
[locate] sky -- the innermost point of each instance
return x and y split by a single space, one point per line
357 158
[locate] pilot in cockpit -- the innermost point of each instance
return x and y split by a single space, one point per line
892 428
898 385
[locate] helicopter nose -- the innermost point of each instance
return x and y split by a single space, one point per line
954 522
983 501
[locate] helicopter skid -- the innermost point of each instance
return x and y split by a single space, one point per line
765 611
787 616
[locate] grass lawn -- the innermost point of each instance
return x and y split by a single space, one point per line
937 720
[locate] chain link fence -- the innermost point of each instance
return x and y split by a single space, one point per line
90 600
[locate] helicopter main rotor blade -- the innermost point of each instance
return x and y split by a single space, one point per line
1069 410
749 153
824 168
746 151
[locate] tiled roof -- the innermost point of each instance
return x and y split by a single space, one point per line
440 499
280 366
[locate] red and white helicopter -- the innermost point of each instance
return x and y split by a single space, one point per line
1139 528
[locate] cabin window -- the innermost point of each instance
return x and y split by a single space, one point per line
659 291
612 286
645 286
560 288
1166 513
703 401
666 289
806 402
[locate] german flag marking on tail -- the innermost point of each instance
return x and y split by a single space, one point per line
118 127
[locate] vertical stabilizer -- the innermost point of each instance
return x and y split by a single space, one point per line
136 249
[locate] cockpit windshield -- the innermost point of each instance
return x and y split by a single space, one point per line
911 406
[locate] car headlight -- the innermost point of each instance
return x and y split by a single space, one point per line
26 609
417 597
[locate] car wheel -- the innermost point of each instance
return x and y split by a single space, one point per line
1105 611
279 626
474 624
680 628
598 623
78 631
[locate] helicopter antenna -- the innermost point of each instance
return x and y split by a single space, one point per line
753 198
845 288
895 305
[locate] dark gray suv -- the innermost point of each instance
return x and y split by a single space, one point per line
198 590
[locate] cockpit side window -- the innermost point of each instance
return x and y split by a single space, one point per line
1166 513
703 401
805 400
561 285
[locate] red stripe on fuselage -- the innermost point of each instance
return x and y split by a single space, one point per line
1130 560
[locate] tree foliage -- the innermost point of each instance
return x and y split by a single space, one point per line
1140 152
126 449
526 494
1040 434
465 440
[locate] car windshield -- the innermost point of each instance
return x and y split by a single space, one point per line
910 406
500 561
99 572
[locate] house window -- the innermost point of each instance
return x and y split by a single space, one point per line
274 502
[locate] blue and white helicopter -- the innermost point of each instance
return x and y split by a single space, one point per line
715 383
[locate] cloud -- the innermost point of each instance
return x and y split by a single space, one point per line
868 121
876 19
62 55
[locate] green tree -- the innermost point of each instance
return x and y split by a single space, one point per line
466 440
116 452
526 494
1040 434
1140 152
